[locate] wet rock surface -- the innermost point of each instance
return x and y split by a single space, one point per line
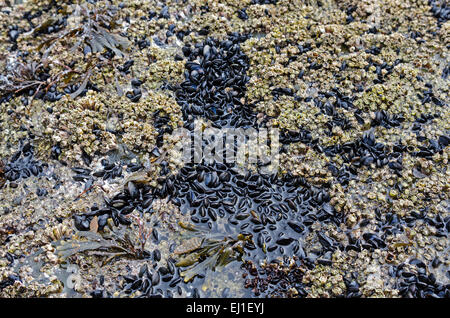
96 201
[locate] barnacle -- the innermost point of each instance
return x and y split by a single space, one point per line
58 232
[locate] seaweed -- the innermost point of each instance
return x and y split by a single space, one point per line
202 251
91 32
32 76
110 245
93 29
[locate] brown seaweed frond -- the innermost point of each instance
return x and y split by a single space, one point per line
205 251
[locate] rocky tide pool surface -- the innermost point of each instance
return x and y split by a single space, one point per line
98 200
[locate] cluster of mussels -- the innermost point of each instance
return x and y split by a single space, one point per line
276 212
134 197
8 281
108 171
383 119
23 165
159 281
417 282
330 108
214 85
155 282
2 174
440 10
363 152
